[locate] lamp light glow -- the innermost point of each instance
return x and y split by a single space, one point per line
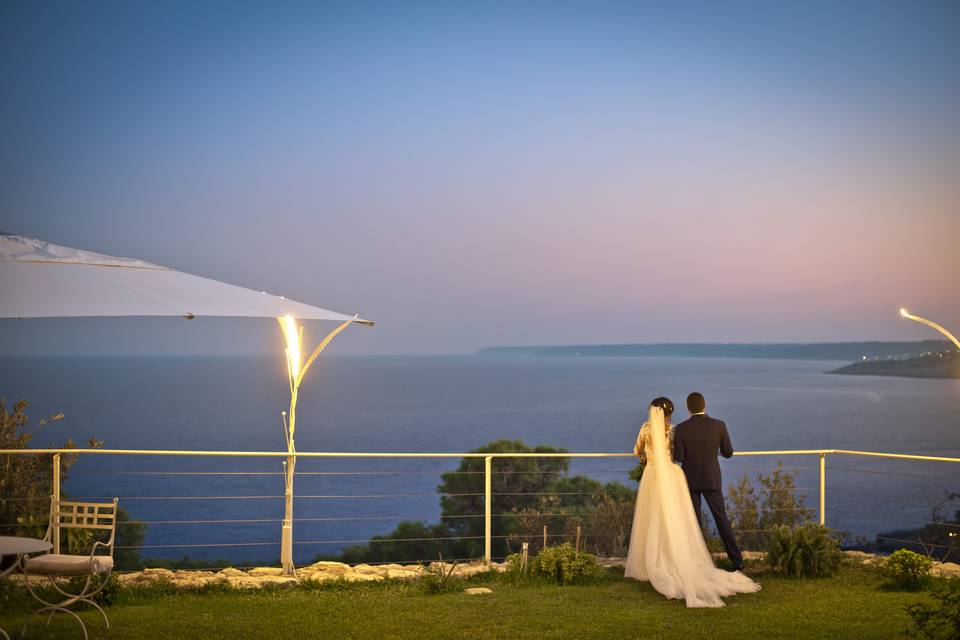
291 334
930 323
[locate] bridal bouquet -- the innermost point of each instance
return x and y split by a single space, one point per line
637 472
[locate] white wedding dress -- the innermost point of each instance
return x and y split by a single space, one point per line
666 544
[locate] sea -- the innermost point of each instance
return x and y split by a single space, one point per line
209 508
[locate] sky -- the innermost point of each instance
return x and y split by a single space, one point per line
503 173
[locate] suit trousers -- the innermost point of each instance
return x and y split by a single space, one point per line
714 498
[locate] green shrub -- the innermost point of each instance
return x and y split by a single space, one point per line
517 574
437 578
514 563
563 564
941 620
779 502
801 551
907 570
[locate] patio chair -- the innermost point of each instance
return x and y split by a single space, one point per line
95 567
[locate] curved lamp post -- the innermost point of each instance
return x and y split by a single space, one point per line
296 368
909 316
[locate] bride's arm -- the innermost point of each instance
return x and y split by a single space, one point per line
639 445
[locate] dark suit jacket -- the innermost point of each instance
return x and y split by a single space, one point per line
696 443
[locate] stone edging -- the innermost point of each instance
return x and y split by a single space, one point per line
318 572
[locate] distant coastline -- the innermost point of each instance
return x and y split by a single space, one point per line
849 351
931 365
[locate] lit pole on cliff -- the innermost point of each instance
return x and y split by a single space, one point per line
909 316
296 368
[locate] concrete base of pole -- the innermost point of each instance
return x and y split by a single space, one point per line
286 549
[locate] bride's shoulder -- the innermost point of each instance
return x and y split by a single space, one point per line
645 427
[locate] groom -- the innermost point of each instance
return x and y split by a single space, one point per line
695 446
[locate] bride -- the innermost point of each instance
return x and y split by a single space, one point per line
666 544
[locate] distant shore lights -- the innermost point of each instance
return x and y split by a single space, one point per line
909 316
296 368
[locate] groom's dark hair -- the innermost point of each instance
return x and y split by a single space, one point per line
696 403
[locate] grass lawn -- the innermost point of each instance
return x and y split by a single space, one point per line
850 605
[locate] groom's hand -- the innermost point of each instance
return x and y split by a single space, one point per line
726 447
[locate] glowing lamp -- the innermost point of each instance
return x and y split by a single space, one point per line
930 323
296 368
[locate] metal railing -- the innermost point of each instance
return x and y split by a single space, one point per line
487 494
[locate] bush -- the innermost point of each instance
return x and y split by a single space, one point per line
941 620
438 579
802 551
779 502
563 564
610 520
907 570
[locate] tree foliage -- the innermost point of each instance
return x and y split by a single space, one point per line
517 484
26 484
528 494
25 480
410 541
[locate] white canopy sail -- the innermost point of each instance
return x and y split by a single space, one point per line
43 280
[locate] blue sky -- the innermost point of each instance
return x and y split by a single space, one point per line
505 173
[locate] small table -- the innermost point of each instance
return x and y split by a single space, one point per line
19 547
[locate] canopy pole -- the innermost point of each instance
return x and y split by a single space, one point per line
296 369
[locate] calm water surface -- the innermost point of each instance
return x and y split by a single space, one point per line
453 404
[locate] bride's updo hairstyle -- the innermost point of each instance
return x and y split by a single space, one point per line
665 404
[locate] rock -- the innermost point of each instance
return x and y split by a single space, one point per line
195 579
362 577
466 570
132 578
260 577
475 591
282 581
864 557
327 567
366 568
250 582
402 574
611 562
158 574
320 576
946 569
239 583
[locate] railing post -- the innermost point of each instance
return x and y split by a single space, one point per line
823 489
55 507
487 509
